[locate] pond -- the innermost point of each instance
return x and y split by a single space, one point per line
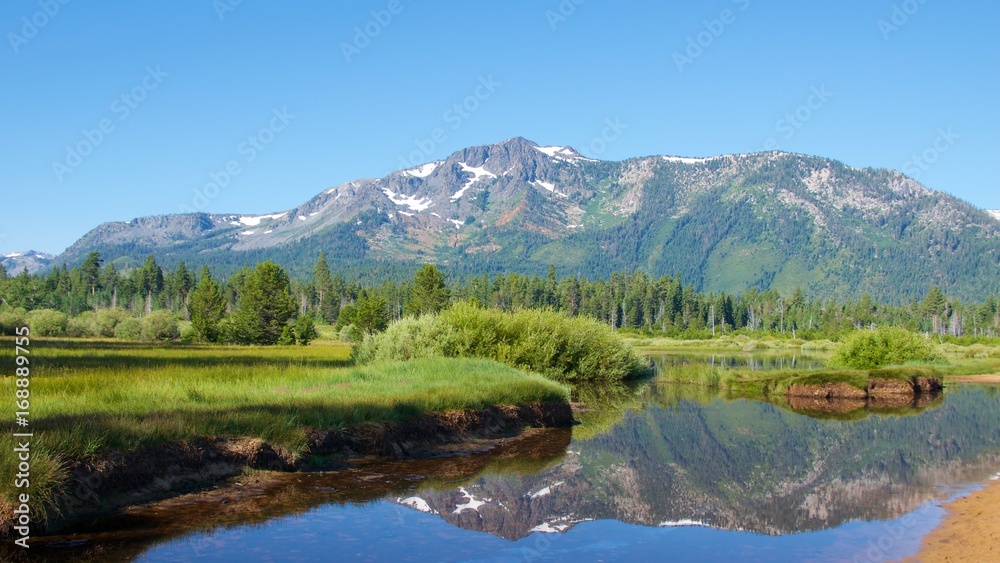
658 472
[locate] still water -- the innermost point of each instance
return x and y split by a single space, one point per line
658 472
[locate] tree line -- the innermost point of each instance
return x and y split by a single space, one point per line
262 304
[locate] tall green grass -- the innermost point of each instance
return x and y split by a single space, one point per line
93 396
558 346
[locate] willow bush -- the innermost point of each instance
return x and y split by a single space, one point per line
553 344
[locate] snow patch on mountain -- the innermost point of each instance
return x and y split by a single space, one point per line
688 160
424 170
563 153
549 186
477 174
254 220
413 202
995 213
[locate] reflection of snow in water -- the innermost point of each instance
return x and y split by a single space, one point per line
473 503
417 503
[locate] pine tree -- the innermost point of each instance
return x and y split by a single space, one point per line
429 293
266 305
150 281
321 276
370 314
207 306
90 272
305 330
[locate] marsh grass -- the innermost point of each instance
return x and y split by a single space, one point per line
92 396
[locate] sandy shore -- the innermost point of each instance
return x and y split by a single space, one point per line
970 531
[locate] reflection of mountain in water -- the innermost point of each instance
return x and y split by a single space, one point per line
739 465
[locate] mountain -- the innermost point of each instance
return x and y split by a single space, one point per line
763 220
16 262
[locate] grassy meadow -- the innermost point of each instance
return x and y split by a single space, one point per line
89 396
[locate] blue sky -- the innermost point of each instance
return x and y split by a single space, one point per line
306 95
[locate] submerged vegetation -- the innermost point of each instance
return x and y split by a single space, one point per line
558 346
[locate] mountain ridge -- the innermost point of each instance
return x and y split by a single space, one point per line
726 222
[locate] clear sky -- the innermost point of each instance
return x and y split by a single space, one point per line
333 91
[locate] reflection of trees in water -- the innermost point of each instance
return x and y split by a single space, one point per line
754 362
742 465
654 454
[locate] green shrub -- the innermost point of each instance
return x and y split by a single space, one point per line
47 322
107 320
884 346
129 329
350 333
160 325
546 342
189 335
83 325
11 318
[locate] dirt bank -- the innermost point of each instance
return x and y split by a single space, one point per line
841 398
877 388
104 483
970 532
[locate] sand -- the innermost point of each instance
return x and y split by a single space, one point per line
970 531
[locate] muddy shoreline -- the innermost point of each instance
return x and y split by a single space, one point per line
104 484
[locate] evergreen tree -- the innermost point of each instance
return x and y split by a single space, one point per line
429 293
90 272
305 330
370 314
266 305
207 307
150 281
321 276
